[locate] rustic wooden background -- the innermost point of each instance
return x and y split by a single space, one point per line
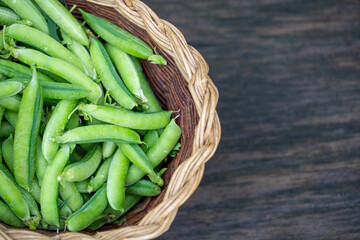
288 72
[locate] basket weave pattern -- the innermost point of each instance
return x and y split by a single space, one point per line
182 85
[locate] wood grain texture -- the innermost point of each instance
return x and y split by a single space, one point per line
288 72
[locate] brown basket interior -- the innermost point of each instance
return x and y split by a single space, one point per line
170 88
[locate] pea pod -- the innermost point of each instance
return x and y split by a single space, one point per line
10 88
12 196
150 139
35 190
83 186
56 124
109 215
40 162
116 180
88 212
158 152
138 158
7 152
126 118
28 11
109 77
152 104
6 129
98 133
82 53
100 177
121 39
8 217
11 117
2 111
144 188
7 16
82 170
16 70
56 90
61 68
63 18
108 149
69 190
50 187
26 132
127 70
44 42
11 103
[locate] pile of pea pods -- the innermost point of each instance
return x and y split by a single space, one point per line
82 134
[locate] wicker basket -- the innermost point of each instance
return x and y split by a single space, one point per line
182 84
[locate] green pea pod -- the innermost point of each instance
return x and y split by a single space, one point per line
144 188
56 90
82 53
33 208
16 70
121 39
27 10
35 190
138 158
44 42
89 212
152 104
11 117
73 122
127 70
63 18
69 190
50 187
150 138
2 111
109 215
100 177
109 77
56 125
6 129
83 186
158 152
8 217
26 133
7 16
116 180
79 171
98 133
61 68
64 210
11 103
127 118
12 196
108 149
40 162
10 88
7 152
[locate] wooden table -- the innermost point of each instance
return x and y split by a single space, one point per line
288 72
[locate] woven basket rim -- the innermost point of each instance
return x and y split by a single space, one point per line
188 175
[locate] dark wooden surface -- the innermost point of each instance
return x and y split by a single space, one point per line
288 72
